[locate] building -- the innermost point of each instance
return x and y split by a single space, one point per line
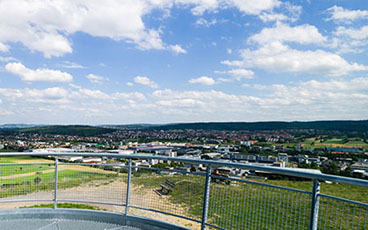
283 157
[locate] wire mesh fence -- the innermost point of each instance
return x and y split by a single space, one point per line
26 182
233 202
337 213
238 204
92 183
177 193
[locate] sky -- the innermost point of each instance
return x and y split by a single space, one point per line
165 61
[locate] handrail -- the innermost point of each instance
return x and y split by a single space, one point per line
282 171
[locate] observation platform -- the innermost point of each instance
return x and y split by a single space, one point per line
76 219
44 191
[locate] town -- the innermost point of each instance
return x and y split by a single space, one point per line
331 152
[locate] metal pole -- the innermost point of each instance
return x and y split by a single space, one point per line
56 182
128 187
315 205
206 197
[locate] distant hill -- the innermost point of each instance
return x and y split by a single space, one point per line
16 126
130 126
343 126
77 130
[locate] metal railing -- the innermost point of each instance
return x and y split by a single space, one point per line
201 199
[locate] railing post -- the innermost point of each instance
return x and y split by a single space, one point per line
128 187
56 181
315 205
206 197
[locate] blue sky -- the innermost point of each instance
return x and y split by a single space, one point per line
163 61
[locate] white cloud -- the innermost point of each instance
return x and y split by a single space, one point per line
7 59
204 80
254 6
95 79
238 74
303 34
288 12
270 17
44 26
30 75
276 57
206 23
361 33
72 65
54 95
145 81
349 40
3 47
177 49
88 93
129 96
129 84
340 15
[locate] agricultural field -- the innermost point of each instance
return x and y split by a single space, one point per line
331 142
26 179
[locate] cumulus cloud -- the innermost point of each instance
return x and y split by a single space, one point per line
7 59
3 48
271 17
72 65
95 79
204 80
303 34
254 7
145 81
354 33
311 100
44 26
287 12
54 95
30 75
339 14
277 57
177 49
206 23
349 39
238 74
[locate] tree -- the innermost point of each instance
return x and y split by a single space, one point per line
37 180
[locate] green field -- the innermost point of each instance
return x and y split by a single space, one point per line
26 179
65 205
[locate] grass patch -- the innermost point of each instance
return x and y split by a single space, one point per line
66 205
66 179
9 170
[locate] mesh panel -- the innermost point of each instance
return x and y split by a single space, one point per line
338 214
241 205
91 183
176 193
24 182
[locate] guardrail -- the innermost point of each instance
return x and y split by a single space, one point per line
205 199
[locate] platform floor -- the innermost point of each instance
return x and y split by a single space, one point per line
59 224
